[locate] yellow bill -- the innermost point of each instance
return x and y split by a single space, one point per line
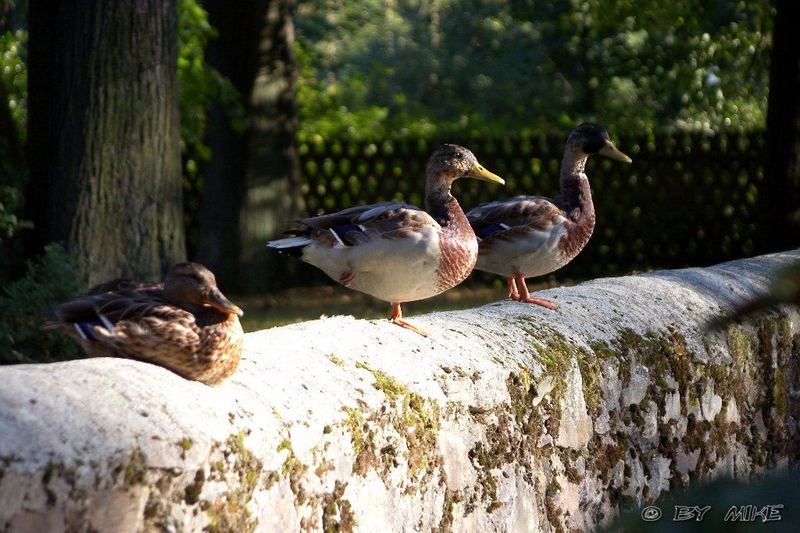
480 173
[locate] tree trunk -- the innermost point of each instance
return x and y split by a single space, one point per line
234 53
104 136
251 182
781 201
272 197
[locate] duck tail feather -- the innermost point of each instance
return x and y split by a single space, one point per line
290 245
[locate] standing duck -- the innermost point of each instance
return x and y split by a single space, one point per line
393 251
531 236
184 324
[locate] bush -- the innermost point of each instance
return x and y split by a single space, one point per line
50 279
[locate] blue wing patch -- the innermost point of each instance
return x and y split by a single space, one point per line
342 230
490 229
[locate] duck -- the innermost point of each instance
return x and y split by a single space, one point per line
184 323
529 236
394 251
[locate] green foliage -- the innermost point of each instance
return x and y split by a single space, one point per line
50 280
10 204
370 69
14 74
13 88
200 85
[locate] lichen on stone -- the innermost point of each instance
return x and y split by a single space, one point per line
230 512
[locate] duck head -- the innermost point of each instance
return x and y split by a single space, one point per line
594 139
450 162
191 286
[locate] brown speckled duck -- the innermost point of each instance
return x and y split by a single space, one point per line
393 251
531 236
184 324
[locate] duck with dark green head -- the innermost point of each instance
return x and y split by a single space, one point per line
530 236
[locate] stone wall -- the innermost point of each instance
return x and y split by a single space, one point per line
508 417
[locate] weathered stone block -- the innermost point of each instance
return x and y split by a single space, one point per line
508 417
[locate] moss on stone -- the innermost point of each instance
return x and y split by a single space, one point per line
385 383
337 514
417 422
335 360
135 469
290 460
738 344
556 354
292 469
553 512
355 424
362 439
185 445
230 513
420 426
192 490
486 461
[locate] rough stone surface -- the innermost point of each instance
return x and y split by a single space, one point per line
508 417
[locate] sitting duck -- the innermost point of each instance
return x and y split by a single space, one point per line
394 251
184 324
531 236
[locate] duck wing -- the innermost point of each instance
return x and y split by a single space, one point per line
532 218
126 285
358 225
134 323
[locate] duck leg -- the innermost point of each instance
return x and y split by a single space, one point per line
524 295
396 317
513 293
347 277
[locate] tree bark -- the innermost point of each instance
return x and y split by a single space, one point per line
272 197
251 182
273 173
234 53
104 135
781 201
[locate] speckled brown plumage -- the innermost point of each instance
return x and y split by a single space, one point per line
184 324
458 247
576 202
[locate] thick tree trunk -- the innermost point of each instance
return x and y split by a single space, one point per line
234 53
250 185
273 172
104 136
781 206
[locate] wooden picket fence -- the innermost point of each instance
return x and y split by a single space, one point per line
686 200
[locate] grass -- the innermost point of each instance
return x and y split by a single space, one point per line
310 303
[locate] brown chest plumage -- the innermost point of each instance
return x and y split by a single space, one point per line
459 251
219 354
578 234
576 201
